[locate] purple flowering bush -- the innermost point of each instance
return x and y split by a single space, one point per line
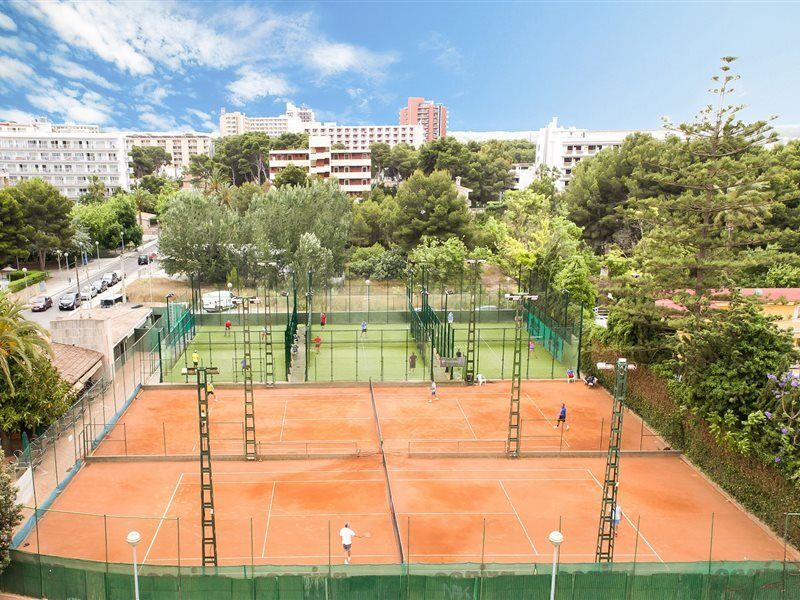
781 422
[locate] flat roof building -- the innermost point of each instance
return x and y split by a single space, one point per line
292 121
66 156
361 137
351 169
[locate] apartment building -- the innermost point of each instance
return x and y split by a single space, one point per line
181 146
361 137
292 121
351 169
563 148
426 113
64 155
524 174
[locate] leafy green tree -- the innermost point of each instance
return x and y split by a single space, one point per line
147 160
291 175
723 200
282 216
363 261
47 213
442 260
380 154
95 193
10 511
109 221
291 141
725 361
489 175
783 275
428 205
311 255
373 220
601 186
21 341
200 169
403 161
445 154
14 231
244 157
195 232
156 184
39 396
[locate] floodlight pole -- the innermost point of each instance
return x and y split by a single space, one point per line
469 368
605 533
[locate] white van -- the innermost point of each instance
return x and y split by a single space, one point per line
217 301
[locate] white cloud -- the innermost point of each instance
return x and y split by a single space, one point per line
13 114
7 23
158 122
253 84
445 54
198 113
330 58
16 46
15 71
89 107
205 119
136 37
151 90
67 68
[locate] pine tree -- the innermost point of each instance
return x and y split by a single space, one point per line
716 202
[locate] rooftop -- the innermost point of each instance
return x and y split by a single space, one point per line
122 318
73 362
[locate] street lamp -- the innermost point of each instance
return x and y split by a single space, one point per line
97 247
133 539
286 295
556 538
367 282
25 275
58 257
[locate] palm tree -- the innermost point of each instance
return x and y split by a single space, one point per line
20 340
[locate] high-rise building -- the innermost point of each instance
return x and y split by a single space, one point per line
292 121
181 146
431 116
563 148
64 155
351 169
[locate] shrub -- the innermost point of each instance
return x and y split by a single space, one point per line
33 278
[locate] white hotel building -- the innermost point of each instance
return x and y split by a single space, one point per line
67 156
351 169
563 148
181 146
299 120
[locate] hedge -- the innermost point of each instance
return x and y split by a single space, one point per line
33 277
759 487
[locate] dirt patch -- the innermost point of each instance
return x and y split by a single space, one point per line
156 289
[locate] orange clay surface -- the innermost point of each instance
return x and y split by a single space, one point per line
290 511
320 420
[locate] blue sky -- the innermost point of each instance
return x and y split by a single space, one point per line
497 66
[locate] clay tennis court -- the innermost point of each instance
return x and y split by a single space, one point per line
326 420
453 506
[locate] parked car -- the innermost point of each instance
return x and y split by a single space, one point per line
41 303
110 279
99 286
144 259
217 301
69 301
87 293
111 301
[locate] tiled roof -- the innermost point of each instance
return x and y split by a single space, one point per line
73 362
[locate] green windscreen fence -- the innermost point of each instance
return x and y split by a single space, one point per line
56 578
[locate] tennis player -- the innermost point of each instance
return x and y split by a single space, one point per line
347 536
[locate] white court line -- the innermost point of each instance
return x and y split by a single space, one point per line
524 530
161 521
466 419
241 558
269 515
450 514
629 521
295 481
490 478
488 345
283 422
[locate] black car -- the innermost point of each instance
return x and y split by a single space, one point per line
144 259
69 301
41 303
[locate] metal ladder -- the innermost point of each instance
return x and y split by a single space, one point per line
269 356
250 450
605 534
514 434
208 520
469 368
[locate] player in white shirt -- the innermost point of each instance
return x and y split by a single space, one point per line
347 536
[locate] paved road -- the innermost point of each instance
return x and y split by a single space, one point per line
129 264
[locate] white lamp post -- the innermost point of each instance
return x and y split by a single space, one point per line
556 538
97 247
25 275
368 282
133 539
